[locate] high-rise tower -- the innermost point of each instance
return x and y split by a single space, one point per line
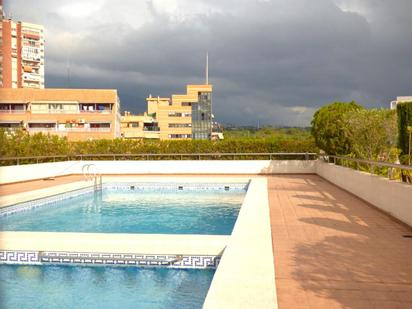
22 54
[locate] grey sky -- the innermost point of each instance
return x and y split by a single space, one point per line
276 61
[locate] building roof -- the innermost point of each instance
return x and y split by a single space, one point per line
54 94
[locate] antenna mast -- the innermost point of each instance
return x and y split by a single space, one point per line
207 68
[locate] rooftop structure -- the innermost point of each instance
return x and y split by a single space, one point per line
22 54
402 99
183 116
78 114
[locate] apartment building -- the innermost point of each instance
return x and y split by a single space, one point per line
78 114
22 54
182 116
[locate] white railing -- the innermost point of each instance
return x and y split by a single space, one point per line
42 129
96 111
13 111
71 129
55 111
66 111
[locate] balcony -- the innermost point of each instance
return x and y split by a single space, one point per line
31 77
31 59
62 130
40 129
106 111
83 129
31 36
151 129
12 111
55 111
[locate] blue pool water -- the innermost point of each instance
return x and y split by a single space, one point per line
102 287
134 212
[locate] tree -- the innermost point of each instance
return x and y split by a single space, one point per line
372 133
404 111
328 126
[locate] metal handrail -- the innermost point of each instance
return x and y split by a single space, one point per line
93 175
147 156
368 162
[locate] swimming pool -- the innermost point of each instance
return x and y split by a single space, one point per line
136 208
102 287
125 224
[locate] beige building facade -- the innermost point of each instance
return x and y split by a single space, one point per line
180 117
78 114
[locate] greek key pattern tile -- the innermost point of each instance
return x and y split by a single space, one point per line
19 257
113 259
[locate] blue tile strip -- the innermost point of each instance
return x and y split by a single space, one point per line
173 187
106 259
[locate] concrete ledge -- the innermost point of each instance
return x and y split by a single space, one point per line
393 197
114 243
7 200
245 277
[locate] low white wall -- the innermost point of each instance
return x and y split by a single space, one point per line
9 174
16 173
390 196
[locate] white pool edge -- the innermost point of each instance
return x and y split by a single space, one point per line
245 277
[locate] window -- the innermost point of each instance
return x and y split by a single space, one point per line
186 103
133 124
176 114
55 107
180 135
100 125
180 125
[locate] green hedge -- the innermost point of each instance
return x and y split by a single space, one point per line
21 144
404 111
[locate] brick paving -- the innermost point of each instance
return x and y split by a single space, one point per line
19 187
333 250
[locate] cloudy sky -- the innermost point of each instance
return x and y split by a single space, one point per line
275 61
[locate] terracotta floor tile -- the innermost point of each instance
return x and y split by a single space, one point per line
341 251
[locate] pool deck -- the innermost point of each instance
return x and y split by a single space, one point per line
331 249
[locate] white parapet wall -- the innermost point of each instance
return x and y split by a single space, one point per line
390 196
18 173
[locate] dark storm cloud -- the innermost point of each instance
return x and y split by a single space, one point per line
276 61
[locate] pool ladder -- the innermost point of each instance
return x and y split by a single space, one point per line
93 175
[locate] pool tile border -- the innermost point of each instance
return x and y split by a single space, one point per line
121 187
45 201
19 257
108 259
176 186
